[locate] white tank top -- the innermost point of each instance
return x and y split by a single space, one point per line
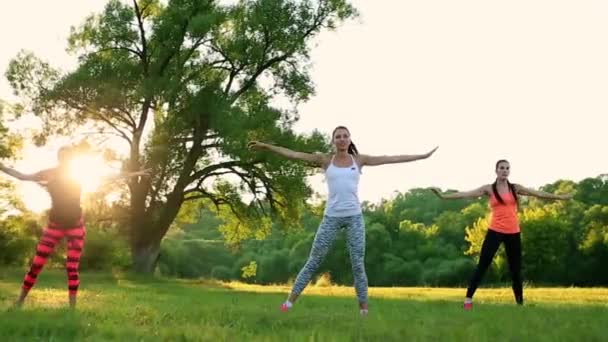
343 186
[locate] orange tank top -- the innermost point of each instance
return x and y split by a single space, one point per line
504 216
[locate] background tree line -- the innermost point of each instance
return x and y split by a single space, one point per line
414 239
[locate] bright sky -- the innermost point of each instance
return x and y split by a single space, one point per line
484 80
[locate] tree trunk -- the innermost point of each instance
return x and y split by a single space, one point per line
145 256
147 234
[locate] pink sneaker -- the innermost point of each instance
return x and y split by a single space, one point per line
284 307
468 306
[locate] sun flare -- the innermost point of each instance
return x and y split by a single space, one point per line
89 170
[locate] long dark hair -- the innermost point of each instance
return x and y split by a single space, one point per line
352 149
511 186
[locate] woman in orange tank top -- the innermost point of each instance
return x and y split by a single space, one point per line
504 227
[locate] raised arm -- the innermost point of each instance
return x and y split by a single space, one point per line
381 160
34 177
522 190
317 159
126 175
481 191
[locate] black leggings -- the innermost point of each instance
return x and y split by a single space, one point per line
490 245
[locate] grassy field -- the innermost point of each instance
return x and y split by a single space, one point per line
115 307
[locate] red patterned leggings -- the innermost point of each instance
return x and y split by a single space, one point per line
50 237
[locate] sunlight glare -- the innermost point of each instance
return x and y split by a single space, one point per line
88 170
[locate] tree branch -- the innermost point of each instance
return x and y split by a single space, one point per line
250 181
128 120
231 77
199 185
234 70
199 42
214 145
114 126
269 190
68 99
218 50
167 60
142 33
100 116
217 201
267 43
116 134
224 165
251 81
133 51
159 181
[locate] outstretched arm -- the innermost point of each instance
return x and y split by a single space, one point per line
522 190
34 177
126 175
482 190
318 159
381 160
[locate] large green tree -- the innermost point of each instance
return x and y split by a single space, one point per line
10 142
185 84
10 148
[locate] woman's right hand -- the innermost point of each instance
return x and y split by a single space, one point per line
257 145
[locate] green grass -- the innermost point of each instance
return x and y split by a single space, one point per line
116 307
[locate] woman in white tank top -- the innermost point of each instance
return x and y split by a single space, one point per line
343 210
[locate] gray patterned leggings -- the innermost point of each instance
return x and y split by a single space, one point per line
324 239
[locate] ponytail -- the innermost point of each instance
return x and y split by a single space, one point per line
514 192
510 185
496 194
352 149
511 188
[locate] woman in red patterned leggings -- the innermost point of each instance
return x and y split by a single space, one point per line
65 220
